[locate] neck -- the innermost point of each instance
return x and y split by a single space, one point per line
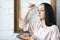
43 23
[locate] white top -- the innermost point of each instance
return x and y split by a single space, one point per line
48 33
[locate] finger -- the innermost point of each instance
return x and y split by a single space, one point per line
31 5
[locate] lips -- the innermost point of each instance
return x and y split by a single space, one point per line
39 15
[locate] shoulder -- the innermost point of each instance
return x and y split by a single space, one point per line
54 28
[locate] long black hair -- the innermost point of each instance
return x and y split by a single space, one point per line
49 15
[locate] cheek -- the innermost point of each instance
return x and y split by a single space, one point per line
42 13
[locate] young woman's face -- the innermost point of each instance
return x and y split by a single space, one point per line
41 11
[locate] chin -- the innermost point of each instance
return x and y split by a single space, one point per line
40 18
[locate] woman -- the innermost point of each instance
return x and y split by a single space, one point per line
44 30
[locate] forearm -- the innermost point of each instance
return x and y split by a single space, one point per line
26 14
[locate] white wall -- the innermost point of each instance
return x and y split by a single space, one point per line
7 19
58 13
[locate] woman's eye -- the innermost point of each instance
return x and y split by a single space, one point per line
42 10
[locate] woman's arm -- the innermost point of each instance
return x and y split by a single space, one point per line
23 23
30 7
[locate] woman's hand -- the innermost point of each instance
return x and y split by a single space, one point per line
31 6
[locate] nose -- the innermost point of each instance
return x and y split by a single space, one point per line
39 12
